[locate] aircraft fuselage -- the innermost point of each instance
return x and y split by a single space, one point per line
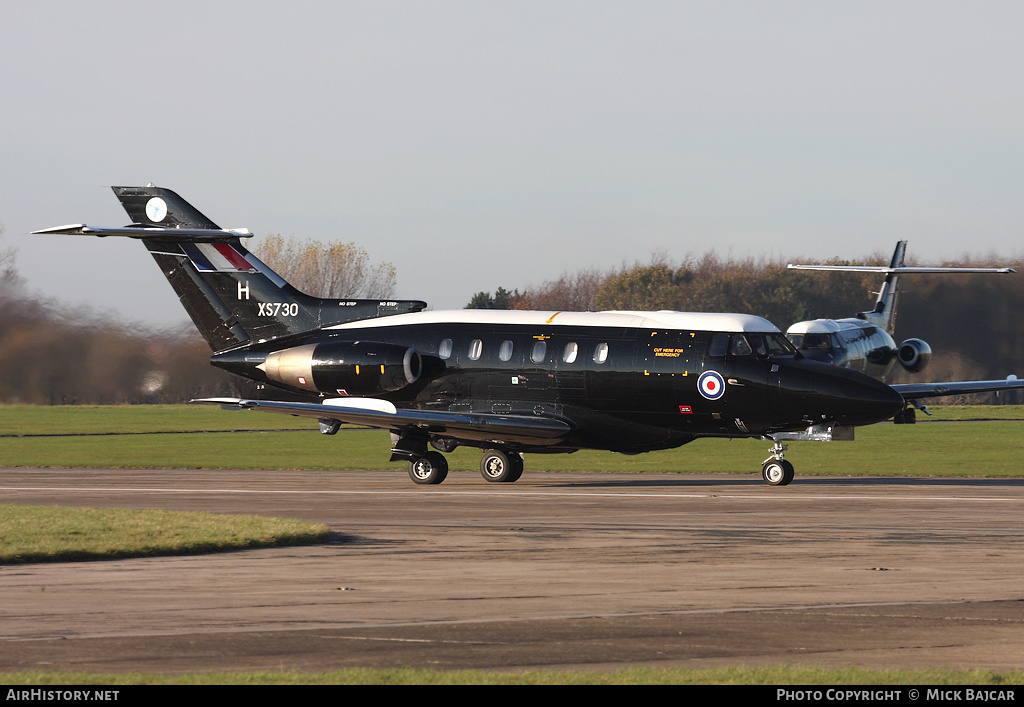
850 343
626 382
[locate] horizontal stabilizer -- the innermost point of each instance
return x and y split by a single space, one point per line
188 235
372 412
902 270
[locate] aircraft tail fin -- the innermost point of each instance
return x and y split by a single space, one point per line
161 208
883 314
233 298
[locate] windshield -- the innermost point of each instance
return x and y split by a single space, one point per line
808 342
762 345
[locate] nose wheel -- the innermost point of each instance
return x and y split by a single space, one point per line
775 470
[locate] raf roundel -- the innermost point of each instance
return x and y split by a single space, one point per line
711 385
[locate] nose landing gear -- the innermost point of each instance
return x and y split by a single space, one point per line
775 470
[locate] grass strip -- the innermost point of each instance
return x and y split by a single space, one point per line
134 419
967 449
58 534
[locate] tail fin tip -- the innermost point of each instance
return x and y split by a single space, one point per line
161 208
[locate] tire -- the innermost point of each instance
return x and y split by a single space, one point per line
496 466
790 473
431 468
777 472
517 467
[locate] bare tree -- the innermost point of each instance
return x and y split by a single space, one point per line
332 269
9 278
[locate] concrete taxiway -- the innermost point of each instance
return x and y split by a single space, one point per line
555 571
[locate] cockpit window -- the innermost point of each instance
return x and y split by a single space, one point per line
740 346
778 345
809 342
763 345
719 345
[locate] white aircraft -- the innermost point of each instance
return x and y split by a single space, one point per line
864 342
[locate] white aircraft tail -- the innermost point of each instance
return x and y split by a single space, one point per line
883 315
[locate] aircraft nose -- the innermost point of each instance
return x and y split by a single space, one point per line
868 401
817 391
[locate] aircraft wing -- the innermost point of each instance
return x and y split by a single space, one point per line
916 391
373 412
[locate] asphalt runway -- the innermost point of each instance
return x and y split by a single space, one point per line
594 571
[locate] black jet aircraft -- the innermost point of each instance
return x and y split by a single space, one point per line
865 341
508 382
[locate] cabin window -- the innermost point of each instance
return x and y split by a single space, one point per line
601 353
505 352
719 345
445 349
539 352
570 353
476 347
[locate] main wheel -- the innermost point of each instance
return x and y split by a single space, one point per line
498 467
777 472
517 467
431 468
907 416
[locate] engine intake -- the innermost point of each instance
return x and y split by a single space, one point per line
914 355
345 367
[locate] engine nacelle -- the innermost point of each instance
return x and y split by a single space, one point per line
914 355
345 367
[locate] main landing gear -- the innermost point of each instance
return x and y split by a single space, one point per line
430 467
775 470
501 466
907 416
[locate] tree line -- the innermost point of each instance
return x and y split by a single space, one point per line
51 354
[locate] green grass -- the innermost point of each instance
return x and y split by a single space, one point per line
626 676
990 448
128 419
55 534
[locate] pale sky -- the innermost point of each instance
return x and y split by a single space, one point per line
482 144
